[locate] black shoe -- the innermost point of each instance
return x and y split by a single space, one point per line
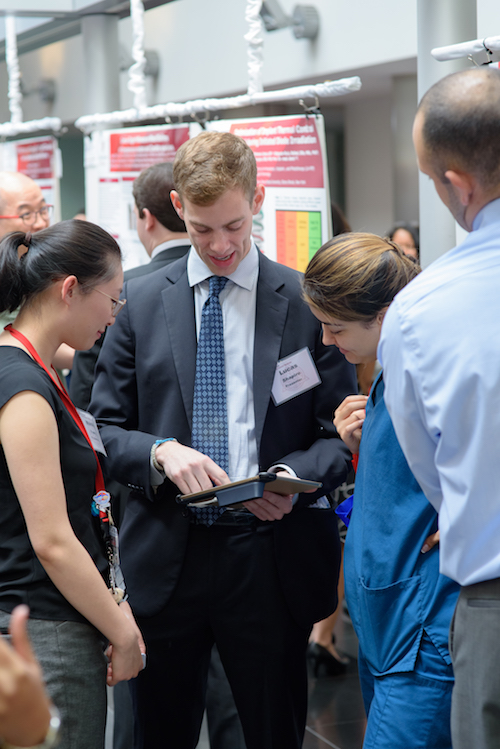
320 656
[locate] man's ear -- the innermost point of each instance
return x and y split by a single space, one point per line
150 220
176 202
464 185
258 199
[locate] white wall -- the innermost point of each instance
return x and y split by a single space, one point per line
64 63
488 18
369 173
203 53
404 162
200 58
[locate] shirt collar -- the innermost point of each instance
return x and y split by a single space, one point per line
245 274
488 214
170 243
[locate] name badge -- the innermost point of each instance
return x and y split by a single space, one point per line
92 430
296 374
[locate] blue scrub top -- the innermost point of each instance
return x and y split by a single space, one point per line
393 591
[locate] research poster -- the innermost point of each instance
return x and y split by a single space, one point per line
291 161
113 159
290 151
40 159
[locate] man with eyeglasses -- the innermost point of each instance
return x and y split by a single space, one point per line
23 208
22 205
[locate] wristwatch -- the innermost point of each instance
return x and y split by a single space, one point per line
50 739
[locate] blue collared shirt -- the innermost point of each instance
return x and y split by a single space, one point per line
440 350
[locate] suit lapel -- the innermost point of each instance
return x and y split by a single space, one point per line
270 318
178 305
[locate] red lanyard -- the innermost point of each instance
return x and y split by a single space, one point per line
70 406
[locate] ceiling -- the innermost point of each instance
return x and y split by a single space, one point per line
42 22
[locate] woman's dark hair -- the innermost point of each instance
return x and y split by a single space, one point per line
355 276
69 248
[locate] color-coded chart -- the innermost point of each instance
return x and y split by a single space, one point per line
298 237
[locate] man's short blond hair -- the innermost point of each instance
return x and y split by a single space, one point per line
207 166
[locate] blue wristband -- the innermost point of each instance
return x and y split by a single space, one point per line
153 452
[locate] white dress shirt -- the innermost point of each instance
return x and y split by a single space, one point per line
440 351
238 300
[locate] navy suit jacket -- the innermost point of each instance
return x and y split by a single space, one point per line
144 391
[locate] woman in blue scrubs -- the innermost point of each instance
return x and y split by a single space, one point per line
400 605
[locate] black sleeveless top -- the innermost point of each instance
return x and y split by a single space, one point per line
22 577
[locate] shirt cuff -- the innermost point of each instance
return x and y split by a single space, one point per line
156 478
322 503
282 467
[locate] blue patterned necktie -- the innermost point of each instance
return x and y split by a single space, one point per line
209 431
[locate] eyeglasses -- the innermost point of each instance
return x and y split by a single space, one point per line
29 218
116 304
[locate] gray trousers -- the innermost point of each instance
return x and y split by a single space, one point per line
475 651
74 668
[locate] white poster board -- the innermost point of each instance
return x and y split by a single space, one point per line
113 159
295 219
40 159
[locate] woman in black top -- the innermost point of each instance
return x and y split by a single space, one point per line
55 542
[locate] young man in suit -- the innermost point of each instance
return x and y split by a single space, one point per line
254 580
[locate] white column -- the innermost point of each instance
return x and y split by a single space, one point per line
101 60
440 22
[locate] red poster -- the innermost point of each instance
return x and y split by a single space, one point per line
36 158
134 150
288 153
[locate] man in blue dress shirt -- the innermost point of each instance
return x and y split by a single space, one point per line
440 349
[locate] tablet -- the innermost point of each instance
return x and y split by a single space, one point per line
247 489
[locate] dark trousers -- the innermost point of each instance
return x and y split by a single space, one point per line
223 721
224 725
228 593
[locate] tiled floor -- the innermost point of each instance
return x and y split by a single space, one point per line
336 716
